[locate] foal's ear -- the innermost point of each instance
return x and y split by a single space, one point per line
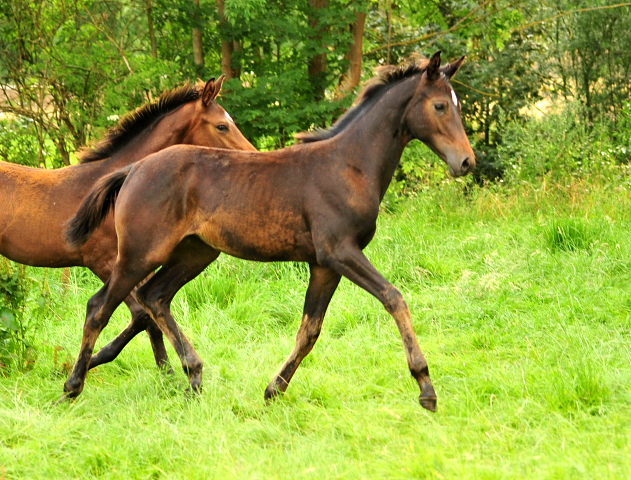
211 90
218 85
433 69
451 68
208 94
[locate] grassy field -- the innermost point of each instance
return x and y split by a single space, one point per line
521 300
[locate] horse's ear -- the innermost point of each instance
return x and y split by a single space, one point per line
433 69
209 92
218 85
451 68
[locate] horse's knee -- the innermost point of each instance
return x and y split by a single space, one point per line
94 319
150 299
393 300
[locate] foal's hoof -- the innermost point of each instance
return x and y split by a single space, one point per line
427 398
193 391
428 403
271 392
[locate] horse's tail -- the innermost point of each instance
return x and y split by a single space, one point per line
95 207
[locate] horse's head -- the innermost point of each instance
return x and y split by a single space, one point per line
433 116
211 125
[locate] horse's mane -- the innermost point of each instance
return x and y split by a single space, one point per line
387 76
136 121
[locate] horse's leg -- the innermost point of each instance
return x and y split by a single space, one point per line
140 321
322 285
187 261
99 310
101 261
349 260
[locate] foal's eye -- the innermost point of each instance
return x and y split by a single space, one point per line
439 107
222 128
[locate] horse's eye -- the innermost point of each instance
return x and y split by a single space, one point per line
439 107
222 128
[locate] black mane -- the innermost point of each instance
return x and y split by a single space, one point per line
386 77
135 122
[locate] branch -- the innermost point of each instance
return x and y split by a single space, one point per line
119 48
488 94
458 25
565 14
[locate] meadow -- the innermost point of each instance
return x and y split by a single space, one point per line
521 301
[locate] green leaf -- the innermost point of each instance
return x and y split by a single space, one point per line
7 320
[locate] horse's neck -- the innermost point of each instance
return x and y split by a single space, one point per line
168 130
379 135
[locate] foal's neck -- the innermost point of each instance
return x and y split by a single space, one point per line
379 137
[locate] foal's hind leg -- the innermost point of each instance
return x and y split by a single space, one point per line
350 261
322 285
187 261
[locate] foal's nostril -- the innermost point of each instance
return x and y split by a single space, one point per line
465 164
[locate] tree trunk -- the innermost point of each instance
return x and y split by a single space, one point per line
317 65
152 35
355 53
237 47
198 47
227 45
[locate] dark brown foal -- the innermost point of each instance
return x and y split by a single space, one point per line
316 202
36 203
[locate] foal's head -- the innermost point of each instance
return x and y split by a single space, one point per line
211 125
433 116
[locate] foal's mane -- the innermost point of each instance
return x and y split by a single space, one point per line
136 121
387 76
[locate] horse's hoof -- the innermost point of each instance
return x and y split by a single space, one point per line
428 403
193 391
271 392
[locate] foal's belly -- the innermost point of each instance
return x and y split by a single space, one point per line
264 238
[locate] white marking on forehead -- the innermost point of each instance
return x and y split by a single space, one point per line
453 97
228 116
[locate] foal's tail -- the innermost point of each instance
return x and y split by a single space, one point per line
95 207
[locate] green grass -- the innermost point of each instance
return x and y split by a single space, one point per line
521 301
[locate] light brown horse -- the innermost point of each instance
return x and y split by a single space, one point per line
35 203
317 202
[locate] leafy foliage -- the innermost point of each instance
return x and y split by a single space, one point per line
18 325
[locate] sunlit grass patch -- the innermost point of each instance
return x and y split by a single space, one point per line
573 234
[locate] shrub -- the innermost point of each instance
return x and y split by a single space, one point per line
17 325
563 145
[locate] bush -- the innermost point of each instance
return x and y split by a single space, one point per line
17 326
563 145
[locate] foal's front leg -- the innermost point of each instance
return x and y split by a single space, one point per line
100 309
349 261
322 285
